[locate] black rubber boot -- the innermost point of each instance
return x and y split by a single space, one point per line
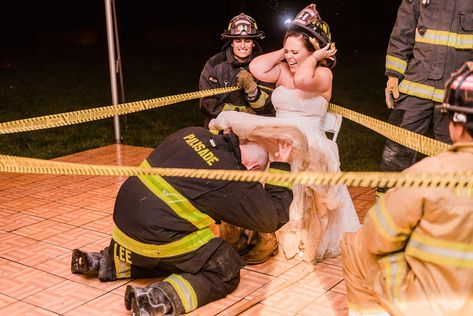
148 301
107 269
85 262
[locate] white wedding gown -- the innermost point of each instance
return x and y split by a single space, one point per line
319 214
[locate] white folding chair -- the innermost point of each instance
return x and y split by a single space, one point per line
332 124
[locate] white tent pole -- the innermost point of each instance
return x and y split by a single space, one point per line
119 58
112 66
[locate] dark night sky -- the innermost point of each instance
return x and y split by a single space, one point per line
194 25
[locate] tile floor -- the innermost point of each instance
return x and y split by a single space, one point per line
44 217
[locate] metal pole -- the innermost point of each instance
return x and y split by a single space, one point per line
111 62
119 58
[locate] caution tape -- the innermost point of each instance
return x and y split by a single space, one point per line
420 143
417 142
13 164
88 115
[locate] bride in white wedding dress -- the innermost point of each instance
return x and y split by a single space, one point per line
319 214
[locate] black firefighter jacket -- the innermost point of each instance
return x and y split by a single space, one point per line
142 216
221 71
429 41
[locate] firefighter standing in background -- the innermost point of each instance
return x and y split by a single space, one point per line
414 253
429 41
162 224
230 68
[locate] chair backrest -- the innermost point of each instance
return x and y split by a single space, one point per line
332 124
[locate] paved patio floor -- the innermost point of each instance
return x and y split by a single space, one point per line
44 217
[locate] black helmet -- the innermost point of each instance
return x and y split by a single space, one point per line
242 26
309 22
459 95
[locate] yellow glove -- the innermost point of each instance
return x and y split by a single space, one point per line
392 91
247 82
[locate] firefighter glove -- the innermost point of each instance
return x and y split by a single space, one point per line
247 82
392 91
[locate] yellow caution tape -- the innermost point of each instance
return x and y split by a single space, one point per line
420 143
464 180
417 142
76 117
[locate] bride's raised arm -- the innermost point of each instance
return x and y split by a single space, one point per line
266 67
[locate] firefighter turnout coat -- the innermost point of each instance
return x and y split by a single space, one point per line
430 40
164 223
221 71
414 253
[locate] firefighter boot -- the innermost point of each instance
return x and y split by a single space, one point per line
235 236
147 301
85 262
266 246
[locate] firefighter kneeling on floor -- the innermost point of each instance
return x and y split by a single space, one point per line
162 224
414 253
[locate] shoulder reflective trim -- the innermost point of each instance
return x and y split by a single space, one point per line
260 102
187 244
384 223
395 269
441 252
279 183
354 310
397 64
184 290
176 201
421 90
445 38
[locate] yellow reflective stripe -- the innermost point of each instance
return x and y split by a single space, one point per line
175 200
122 268
394 266
421 90
396 64
214 131
441 252
256 104
279 183
229 107
384 223
184 290
445 38
354 310
187 244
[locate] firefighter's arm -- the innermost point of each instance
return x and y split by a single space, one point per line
400 47
402 39
390 222
258 99
211 106
252 206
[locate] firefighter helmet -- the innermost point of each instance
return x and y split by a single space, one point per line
309 22
458 99
242 26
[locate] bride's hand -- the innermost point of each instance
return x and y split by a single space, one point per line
284 152
328 51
